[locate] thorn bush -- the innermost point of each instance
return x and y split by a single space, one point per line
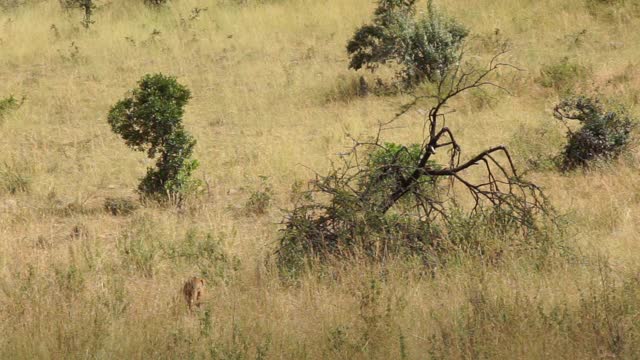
423 47
150 120
605 132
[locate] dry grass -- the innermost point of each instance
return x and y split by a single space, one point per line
270 85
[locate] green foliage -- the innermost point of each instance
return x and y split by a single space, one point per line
206 251
398 160
423 47
562 76
260 199
605 132
150 120
9 104
140 247
343 215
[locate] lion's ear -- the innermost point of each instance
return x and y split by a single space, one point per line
202 281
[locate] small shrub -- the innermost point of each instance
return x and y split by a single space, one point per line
424 47
9 104
150 120
605 132
119 206
562 76
70 280
260 199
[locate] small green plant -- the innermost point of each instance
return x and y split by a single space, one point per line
207 252
260 199
140 247
119 206
562 76
605 131
150 120
9 104
424 47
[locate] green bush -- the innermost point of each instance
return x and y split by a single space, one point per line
150 120
393 162
605 132
9 104
260 199
562 76
423 47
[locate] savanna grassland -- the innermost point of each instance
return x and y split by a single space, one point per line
272 101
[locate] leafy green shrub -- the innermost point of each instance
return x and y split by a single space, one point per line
9 104
150 120
605 132
562 76
260 199
423 47
119 206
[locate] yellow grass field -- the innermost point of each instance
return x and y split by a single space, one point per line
272 98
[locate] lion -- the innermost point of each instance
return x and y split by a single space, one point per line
193 291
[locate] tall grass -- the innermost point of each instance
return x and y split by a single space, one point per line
77 281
